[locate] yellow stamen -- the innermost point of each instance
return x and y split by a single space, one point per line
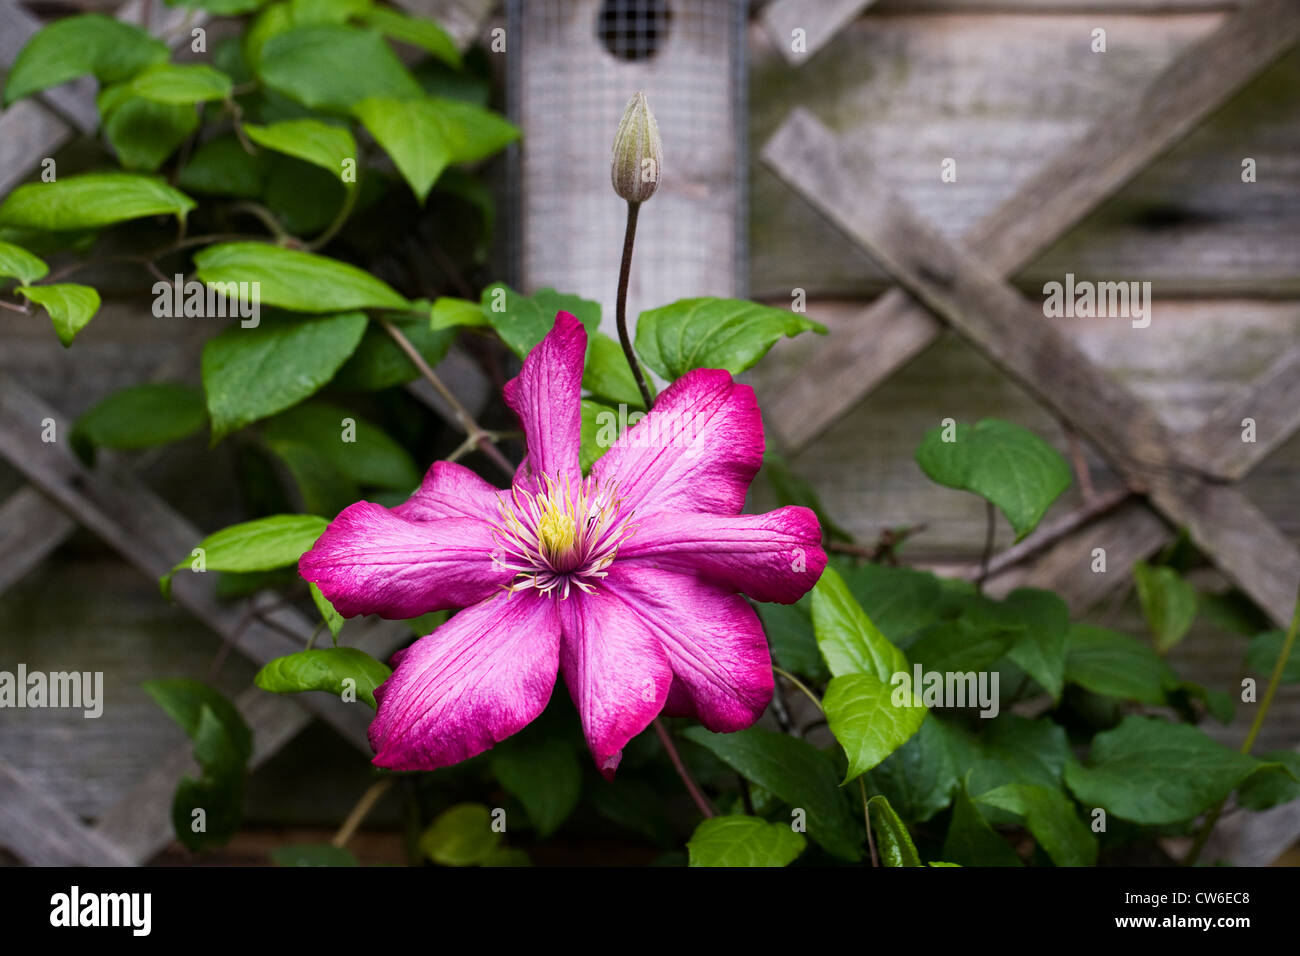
557 528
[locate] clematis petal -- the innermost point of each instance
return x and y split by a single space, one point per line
714 642
450 490
696 451
371 561
547 395
771 557
616 671
476 680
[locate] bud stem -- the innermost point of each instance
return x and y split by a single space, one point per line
629 237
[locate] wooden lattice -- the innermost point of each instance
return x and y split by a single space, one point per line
112 503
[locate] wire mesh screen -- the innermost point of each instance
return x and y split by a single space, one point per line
574 65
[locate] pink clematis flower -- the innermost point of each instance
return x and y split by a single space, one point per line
626 581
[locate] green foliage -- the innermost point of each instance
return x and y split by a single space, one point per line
743 841
342 671
70 307
713 333
18 263
142 416
92 44
464 835
207 812
1168 603
263 544
800 775
1006 464
252 373
312 854
893 842
91 201
1152 771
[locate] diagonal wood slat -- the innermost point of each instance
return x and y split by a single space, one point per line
841 372
39 830
986 309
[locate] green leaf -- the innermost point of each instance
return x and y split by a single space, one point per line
544 774
216 801
322 488
1008 465
181 84
312 854
1053 820
960 646
849 642
259 545
729 334
1040 649
522 321
1151 771
449 313
357 447
295 280
379 363
328 669
798 774
327 11
789 631
1168 603
18 263
1115 665
220 8
143 416
143 132
332 618
184 702
223 744
460 836
596 432
608 376
743 841
971 841
107 48
918 779
70 307
1012 749
249 374
221 167
900 601
425 34
1264 651
91 201
331 67
893 842
1263 791
867 721
424 136
321 144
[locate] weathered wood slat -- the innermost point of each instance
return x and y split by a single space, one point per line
819 19
974 299
42 833
76 101
30 528
1047 205
1272 401
144 529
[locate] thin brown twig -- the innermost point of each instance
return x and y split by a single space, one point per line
359 812
701 801
480 437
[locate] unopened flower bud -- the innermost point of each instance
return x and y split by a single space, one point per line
638 152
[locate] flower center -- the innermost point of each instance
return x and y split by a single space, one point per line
561 537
